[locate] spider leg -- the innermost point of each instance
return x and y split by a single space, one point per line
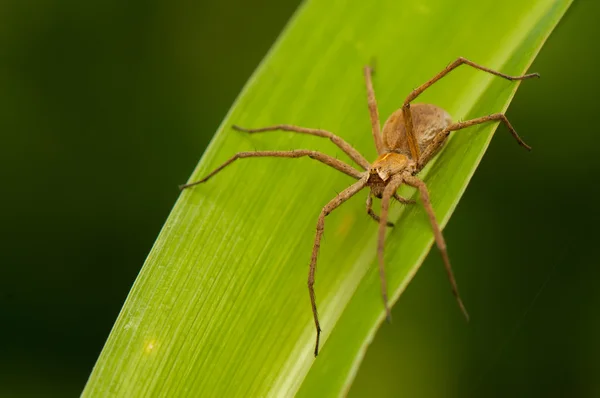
329 207
412 142
388 192
372 213
439 238
440 137
340 142
373 112
403 200
321 157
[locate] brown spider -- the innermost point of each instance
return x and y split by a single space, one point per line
411 137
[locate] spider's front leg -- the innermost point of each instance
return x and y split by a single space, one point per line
439 238
388 193
332 205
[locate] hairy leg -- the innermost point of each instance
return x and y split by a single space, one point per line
372 213
439 238
403 200
321 157
373 112
389 191
334 203
414 147
375 216
440 138
340 142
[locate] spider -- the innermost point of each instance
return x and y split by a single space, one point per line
410 138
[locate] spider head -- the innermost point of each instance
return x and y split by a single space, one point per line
389 164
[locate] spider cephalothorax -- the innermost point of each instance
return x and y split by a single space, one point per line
411 137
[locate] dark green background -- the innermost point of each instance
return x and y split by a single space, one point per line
106 106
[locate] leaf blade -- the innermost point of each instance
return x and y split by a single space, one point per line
222 295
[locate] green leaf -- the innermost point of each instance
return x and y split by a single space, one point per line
221 307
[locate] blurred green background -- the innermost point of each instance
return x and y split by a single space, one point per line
106 106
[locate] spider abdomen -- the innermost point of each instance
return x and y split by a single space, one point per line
428 120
